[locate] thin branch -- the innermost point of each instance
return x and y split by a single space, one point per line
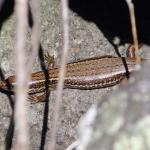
134 29
61 73
73 146
35 34
23 69
22 141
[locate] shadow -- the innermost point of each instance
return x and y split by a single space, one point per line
46 108
30 17
10 134
112 18
10 130
7 9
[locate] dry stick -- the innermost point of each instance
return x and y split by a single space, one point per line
134 29
58 102
25 71
35 35
22 141
73 146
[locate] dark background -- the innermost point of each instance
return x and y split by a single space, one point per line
112 17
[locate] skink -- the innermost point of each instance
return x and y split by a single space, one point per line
87 74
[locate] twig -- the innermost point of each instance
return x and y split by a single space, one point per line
73 145
35 34
61 73
23 69
134 29
22 141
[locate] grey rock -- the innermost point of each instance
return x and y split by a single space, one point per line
120 120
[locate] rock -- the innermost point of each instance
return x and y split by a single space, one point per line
120 120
